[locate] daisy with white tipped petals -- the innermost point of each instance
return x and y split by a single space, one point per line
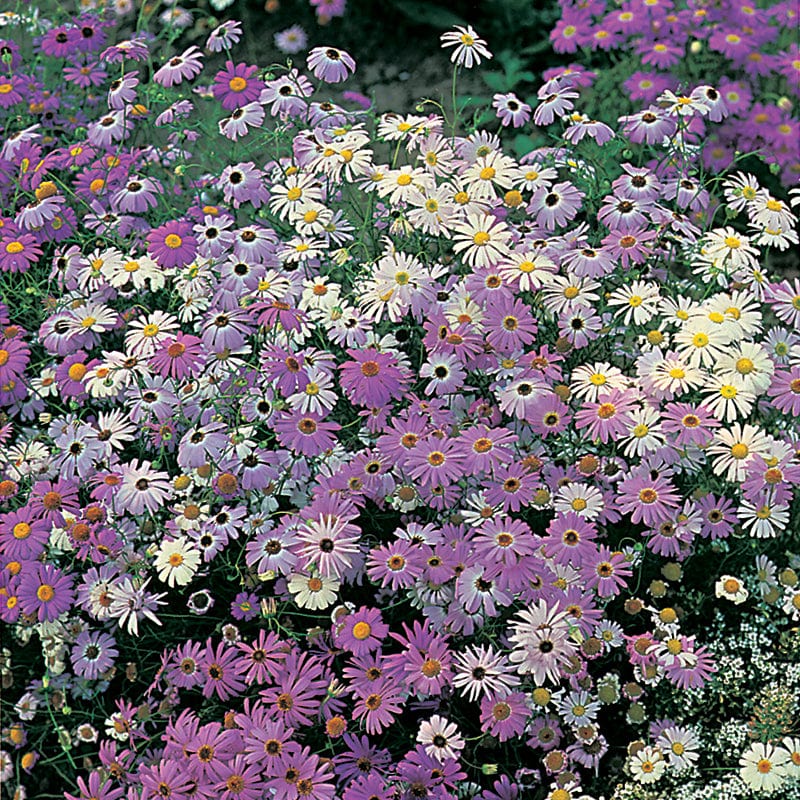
441 738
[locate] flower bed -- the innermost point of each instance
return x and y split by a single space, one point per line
353 457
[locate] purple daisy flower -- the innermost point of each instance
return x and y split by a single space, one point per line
172 244
219 668
362 631
372 378
570 539
504 716
98 787
234 86
46 592
23 535
18 251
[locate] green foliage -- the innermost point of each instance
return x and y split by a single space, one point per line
422 13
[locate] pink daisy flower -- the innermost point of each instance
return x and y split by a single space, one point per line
178 357
647 499
307 434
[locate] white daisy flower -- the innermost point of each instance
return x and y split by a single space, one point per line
763 767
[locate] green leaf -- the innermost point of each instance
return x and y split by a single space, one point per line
496 81
429 14
523 144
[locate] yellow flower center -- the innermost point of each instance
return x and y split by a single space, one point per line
173 241
22 530
361 630
14 247
403 179
77 371
740 450
150 330
541 696
175 560
295 193
237 84
487 173
481 238
45 593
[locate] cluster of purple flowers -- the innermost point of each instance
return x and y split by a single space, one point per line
401 439
747 50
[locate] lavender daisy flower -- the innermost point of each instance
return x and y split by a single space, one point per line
330 65
93 654
143 488
291 40
511 110
137 196
224 36
184 67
